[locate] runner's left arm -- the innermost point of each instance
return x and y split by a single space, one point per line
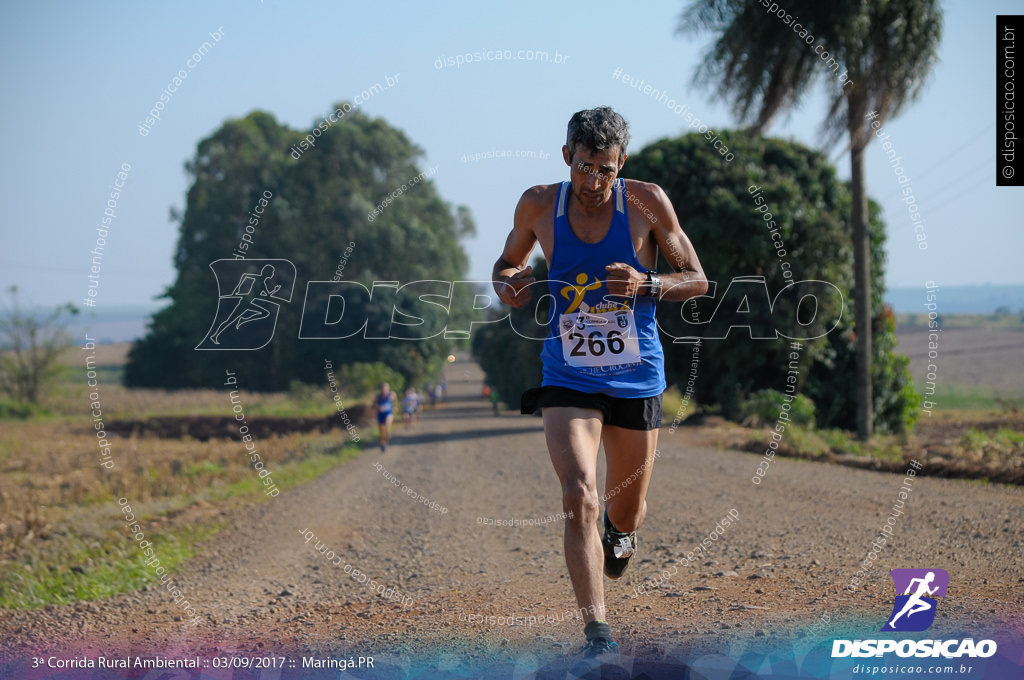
687 278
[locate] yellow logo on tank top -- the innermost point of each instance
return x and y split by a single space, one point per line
578 291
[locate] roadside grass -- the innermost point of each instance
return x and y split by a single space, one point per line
86 568
62 535
971 443
964 397
67 546
1003 443
70 399
810 443
980 450
974 444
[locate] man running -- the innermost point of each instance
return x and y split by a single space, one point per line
410 405
385 401
603 362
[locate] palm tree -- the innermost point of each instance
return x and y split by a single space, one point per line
763 67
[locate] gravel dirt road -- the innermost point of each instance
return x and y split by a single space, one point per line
260 588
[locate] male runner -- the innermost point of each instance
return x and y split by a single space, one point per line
603 362
385 402
410 407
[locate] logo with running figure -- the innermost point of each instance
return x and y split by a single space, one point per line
250 293
915 608
577 292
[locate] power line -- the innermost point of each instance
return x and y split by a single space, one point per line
986 163
938 164
953 198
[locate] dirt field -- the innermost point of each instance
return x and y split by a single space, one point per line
985 357
259 587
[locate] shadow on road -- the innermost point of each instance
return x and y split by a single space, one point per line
427 438
464 413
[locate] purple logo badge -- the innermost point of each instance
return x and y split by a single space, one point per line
914 609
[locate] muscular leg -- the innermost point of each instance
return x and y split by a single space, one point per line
626 451
573 436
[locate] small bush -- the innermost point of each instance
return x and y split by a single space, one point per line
764 406
841 441
364 379
13 410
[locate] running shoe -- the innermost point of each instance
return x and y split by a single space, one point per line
601 649
600 654
619 549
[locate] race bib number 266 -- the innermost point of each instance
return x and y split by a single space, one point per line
599 339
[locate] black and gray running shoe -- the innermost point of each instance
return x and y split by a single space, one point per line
619 550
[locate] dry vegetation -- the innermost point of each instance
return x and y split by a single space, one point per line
59 522
59 519
51 470
979 445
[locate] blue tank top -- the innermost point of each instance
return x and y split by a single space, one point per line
384 404
599 343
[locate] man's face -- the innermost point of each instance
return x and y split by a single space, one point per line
593 174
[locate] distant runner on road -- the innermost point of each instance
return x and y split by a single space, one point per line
410 406
385 402
604 373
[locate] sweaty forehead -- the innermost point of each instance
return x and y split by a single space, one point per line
606 158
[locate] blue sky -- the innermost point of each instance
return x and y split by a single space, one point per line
80 77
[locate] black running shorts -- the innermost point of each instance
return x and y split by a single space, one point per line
631 414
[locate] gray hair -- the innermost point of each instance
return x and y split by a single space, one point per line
597 130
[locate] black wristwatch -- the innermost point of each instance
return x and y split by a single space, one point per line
653 285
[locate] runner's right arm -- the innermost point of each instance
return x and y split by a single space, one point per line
511 274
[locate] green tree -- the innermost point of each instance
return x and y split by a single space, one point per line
886 48
896 402
320 204
732 232
31 342
511 362
366 379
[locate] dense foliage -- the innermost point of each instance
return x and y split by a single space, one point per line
317 217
